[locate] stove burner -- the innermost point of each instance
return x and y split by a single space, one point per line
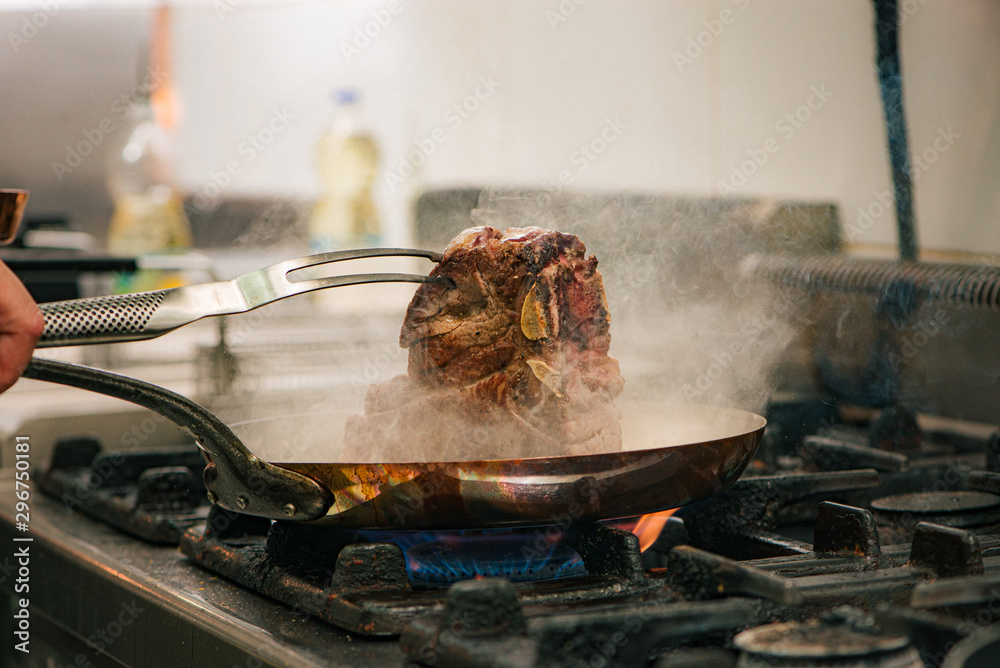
979 650
896 429
444 557
897 516
485 624
821 644
993 452
154 495
740 523
364 587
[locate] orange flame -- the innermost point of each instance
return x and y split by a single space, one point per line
647 527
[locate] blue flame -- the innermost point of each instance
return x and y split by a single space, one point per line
444 557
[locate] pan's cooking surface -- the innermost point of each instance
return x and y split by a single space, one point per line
654 424
660 470
646 426
297 438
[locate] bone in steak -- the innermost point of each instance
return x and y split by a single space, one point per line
512 362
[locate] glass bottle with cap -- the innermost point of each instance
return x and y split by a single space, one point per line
345 215
148 215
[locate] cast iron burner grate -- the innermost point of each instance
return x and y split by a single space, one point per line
897 516
819 643
154 495
721 567
365 587
700 598
782 604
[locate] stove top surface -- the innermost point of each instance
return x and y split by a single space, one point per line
828 546
177 614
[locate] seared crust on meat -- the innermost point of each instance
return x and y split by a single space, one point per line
512 362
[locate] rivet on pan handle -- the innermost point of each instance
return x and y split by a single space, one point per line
236 479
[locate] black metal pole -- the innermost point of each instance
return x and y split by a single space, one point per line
890 81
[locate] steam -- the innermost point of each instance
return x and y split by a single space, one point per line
688 326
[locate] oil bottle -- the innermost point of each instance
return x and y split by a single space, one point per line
148 213
345 215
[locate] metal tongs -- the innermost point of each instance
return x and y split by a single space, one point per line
146 315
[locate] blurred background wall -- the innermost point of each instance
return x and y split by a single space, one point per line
744 98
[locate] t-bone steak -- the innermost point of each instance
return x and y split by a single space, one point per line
512 362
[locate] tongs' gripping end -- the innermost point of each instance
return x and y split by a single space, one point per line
299 286
361 279
354 254
443 280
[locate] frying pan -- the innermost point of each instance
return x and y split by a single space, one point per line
712 448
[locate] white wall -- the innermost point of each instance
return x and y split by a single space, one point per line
687 126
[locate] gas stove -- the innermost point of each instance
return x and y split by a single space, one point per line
866 531
826 552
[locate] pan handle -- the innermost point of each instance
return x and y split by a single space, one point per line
236 479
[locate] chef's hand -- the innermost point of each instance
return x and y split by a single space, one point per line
21 324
